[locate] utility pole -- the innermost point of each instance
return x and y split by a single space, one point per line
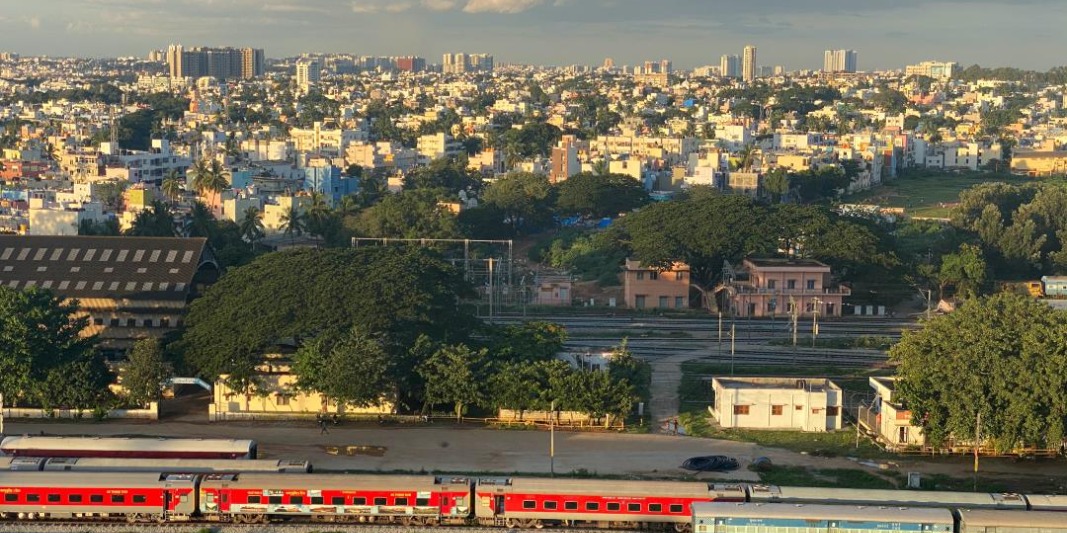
732 344
490 290
977 442
814 320
720 332
552 440
795 317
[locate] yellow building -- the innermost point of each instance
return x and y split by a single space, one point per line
274 394
1043 163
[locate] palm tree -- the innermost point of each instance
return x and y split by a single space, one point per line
348 206
172 185
200 222
200 172
293 222
252 229
210 178
747 157
601 167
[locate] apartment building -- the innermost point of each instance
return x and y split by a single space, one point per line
774 286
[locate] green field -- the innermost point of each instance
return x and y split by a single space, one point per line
925 193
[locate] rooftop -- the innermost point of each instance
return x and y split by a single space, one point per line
770 383
786 263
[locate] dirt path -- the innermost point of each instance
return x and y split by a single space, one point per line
666 376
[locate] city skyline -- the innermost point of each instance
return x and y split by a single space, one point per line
556 32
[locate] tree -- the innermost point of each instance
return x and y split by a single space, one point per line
516 386
39 341
351 367
598 196
625 368
294 222
526 199
172 186
776 183
146 371
454 375
209 179
964 270
252 229
410 214
528 342
153 221
449 173
396 293
1000 360
200 222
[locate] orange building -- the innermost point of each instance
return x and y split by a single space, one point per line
653 288
774 285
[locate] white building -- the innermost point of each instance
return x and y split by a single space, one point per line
308 71
436 146
748 64
888 419
805 404
839 61
62 219
327 139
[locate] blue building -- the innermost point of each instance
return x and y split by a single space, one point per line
328 181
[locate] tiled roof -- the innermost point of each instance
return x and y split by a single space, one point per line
127 268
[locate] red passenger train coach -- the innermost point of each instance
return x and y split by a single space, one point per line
129 496
525 502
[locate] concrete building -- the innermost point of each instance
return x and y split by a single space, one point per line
730 66
839 61
889 420
803 404
748 64
654 288
774 286
129 287
276 395
54 218
940 70
308 72
436 146
564 159
219 63
554 290
326 179
326 139
1035 163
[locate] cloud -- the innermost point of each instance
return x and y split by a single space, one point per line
292 8
34 22
381 7
439 5
500 6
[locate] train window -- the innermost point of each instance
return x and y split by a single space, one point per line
139 498
359 501
614 506
380 501
551 505
296 500
118 498
53 498
316 500
400 501
337 500
529 504
11 497
592 506
254 499
277 500
633 507
96 498
675 508
74 498
422 502
33 498
655 507
570 506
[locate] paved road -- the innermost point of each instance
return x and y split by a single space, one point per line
666 377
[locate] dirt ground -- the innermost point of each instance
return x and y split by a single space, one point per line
447 448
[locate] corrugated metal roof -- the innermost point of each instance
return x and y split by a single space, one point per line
907 498
33 442
130 480
326 481
90 267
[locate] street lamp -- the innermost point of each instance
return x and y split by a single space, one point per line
552 440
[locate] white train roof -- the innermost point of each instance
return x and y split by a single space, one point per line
125 444
712 510
907 498
980 518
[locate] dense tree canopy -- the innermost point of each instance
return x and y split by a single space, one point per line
411 214
349 367
525 199
1002 360
43 359
595 195
396 294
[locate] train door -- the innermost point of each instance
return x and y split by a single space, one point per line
168 497
498 505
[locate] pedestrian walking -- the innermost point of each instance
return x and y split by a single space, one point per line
322 427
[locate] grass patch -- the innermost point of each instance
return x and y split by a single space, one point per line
827 477
868 342
928 193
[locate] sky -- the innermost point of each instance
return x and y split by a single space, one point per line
794 33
